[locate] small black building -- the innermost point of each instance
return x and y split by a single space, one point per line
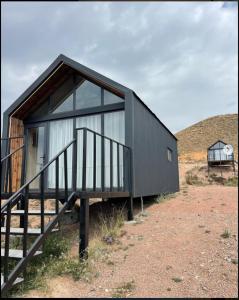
76 134
70 96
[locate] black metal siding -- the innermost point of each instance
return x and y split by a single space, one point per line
153 173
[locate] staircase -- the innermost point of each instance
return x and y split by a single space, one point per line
17 210
17 205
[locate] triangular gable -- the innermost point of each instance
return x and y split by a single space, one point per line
61 64
219 141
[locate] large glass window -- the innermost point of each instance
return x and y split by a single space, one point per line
65 105
88 95
114 128
35 153
110 98
94 123
61 133
62 98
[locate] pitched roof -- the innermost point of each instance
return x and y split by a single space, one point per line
87 72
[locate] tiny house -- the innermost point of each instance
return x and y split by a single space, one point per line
217 156
69 96
76 134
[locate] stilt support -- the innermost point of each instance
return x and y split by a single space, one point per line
130 209
84 228
142 204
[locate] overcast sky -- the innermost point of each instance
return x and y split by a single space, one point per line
180 58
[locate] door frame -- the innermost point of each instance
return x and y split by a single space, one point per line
26 135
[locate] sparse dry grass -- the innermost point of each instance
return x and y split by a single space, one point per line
56 259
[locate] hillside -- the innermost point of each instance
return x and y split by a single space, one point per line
194 140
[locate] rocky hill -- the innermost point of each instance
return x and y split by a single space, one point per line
194 140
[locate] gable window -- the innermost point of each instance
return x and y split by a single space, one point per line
65 105
88 95
110 98
169 154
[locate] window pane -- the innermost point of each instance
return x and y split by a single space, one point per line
169 152
114 124
61 133
110 98
94 123
62 98
88 95
65 105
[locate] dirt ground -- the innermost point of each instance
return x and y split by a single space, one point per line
177 251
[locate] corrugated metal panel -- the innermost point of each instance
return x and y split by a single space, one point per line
153 173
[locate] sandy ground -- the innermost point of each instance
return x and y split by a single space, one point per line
180 238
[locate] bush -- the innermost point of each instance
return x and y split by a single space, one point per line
232 181
192 179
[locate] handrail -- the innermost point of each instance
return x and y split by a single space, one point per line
106 137
2 160
39 173
122 179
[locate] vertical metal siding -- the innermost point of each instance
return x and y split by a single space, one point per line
153 173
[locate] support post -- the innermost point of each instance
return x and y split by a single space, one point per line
130 209
84 228
142 204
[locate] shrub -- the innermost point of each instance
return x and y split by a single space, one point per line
226 234
192 179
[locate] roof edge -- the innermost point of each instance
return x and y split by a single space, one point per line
154 115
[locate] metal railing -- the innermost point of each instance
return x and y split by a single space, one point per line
7 165
22 196
106 163
118 179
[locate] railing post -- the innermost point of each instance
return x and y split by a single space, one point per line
7 240
57 184
65 174
118 168
102 164
111 165
42 199
84 159
74 163
25 229
10 175
94 162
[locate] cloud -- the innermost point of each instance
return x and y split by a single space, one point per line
180 58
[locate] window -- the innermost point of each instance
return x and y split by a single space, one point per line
88 95
65 105
114 126
170 154
62 98
94 123
110 98
61 133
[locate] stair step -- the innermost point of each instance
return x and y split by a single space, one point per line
17 254
17 280
34 212
19 231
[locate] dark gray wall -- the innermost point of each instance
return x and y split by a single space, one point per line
153 173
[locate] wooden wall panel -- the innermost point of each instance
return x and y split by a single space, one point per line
16 129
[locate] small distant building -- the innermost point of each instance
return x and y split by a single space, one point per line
216 155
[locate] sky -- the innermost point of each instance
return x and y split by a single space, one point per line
180 58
